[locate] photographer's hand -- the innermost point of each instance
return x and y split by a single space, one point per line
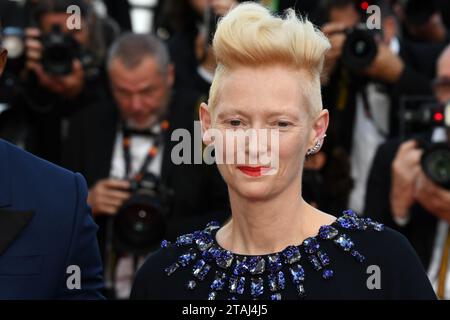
34 51
336 36
72 84
405 171
433 198
108 195
387 66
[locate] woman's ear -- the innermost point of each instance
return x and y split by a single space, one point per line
205 119
319 128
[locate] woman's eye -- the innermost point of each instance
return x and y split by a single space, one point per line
235 123
283 124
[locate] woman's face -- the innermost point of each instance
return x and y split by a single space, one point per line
270 98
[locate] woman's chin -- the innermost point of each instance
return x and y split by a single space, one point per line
254 191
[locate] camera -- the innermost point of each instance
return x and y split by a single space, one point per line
360 47
140 223
59 52
435 160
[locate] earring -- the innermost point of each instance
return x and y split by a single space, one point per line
316 147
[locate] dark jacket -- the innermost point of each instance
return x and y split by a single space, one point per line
421 229
45 228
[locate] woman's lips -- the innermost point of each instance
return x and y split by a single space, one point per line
252 171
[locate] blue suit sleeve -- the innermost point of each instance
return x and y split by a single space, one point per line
83 257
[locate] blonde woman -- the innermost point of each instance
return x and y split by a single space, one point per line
275 245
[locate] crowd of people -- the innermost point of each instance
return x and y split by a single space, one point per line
103 100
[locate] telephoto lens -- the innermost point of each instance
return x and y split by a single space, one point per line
140 224
59 52
360 48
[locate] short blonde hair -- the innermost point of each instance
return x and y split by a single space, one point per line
249 35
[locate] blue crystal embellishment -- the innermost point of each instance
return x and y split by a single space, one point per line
256 265
277 282
187 258
274 263
237 285
344 242
328 232
224 259
191 285
358 256
297 273
311 245
327 274
171 269
204 253
257 287
240 268
219 281
200 269
184 240
323 257
291 254
165 244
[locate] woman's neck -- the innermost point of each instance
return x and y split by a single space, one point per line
263 227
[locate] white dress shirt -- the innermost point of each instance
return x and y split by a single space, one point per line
139 147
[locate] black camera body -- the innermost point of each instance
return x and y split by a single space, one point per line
360 47
140 223
59 52
435 160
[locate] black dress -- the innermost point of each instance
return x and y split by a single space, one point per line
352 258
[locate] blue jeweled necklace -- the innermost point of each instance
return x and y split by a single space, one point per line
265 272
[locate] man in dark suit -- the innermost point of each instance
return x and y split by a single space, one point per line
93 149
48 247
100 137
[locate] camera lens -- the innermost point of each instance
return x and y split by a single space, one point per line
436 165
59 51
360 49
140 224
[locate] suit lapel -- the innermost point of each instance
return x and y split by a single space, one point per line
11 225
12 222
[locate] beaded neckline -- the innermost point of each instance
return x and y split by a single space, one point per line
265 272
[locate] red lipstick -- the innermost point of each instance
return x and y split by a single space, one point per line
251 171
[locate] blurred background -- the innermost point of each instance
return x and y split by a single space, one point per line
101 92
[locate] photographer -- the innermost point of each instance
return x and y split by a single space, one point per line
189 25
62 74
368 70
402 193
117 143
422 21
